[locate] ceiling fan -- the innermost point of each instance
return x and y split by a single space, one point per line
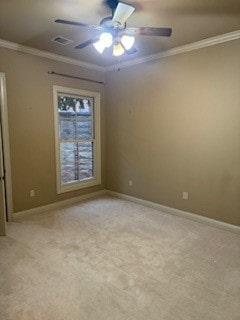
114 32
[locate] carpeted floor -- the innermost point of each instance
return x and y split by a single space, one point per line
109 259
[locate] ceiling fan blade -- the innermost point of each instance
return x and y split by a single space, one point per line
148 31
122 13
79 24
86 43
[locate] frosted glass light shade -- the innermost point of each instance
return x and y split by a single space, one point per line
127 41
118 50
107 39
99 46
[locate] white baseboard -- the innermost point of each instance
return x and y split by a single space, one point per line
153 205
60 204
179 213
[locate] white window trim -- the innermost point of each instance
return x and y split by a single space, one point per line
97 139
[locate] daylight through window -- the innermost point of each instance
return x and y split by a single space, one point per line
77 123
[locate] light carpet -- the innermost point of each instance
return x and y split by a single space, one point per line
108 258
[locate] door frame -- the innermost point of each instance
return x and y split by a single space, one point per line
6 146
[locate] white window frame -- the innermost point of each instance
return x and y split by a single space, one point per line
96 180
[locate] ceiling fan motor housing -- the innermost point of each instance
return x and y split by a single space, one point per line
112 26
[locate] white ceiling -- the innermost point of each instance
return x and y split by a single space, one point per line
31 23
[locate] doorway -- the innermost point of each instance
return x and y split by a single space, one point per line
3 207
6 209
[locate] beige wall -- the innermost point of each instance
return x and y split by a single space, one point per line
173 125
31 125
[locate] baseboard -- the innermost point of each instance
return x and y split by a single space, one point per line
59 204
153 205
179 213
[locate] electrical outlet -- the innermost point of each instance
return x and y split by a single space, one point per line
185 195
32 193
130 183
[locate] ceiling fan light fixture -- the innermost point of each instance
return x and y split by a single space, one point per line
127 41
118 50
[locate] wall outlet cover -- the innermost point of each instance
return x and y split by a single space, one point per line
185 195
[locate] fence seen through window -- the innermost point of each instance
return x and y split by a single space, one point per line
76 137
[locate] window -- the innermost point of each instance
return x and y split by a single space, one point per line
77 138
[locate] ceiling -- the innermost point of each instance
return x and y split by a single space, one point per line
31 23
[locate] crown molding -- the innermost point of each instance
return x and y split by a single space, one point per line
167 53
178 50
48 55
